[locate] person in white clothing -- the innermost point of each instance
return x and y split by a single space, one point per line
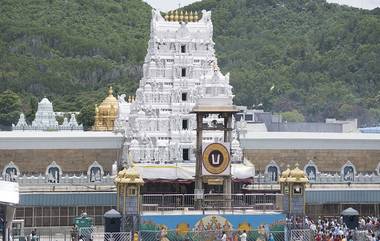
243 236
224 237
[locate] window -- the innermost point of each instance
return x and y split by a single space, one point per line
185 154
183 72
184 96
183 48
238 117
297 190
185 124
132 191
249 117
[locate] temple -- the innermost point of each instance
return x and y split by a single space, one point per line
179 68
156 130
45 120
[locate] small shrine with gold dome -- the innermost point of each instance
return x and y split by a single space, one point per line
106 113
128 184
293 183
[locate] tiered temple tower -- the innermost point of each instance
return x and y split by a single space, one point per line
180 60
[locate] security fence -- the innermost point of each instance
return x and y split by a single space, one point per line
175 235
45 234
168 202
119 236
70 234
98 234
301 235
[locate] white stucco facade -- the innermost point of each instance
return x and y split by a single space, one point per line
179 69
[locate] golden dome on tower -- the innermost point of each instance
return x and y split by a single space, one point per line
106 113
285 174
294 175
128 176
297 175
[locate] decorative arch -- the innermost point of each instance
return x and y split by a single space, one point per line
311 170
11 172
272 170
53 173
95 172
348 171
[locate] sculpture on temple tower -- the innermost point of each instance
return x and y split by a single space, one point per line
45 116
106 113
21 123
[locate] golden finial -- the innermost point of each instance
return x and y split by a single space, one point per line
176 16
171 17
129 99
191 16
166 17
186 17
195 16
110 91
182 16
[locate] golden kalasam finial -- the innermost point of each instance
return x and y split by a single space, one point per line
195 19
186 17
171 17
191 16
167 17
110 91
176 16
129 99
182 16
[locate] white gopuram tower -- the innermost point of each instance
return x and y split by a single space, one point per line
180 60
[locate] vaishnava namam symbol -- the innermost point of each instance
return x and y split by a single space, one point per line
216 158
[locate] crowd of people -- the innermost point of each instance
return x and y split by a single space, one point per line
333 229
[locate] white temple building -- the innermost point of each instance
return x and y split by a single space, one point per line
180 68
45 120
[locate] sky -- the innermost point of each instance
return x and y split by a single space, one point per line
166 5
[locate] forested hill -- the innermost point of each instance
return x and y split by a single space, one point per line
296 56
71 50
307 56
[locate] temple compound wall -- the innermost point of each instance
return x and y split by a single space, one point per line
326 160
31 152
329 152
70 160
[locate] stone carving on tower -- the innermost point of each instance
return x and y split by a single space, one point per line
179 67
45 117
21 123
106 113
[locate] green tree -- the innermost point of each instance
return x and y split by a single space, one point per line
293 116
10 108
87 117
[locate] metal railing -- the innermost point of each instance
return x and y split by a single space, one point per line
214 235
45 234
167 202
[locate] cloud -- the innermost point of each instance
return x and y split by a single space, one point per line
366 4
